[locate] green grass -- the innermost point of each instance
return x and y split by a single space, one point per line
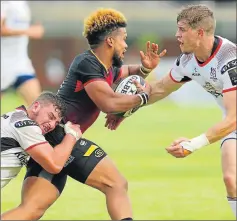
161 187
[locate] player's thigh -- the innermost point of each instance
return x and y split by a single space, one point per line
228 152
89 164
105 175
84 158
38 193
28 86
41 187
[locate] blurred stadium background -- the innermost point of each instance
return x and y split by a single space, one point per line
161 187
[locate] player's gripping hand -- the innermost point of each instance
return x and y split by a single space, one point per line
143 90
179 148
73 129
113 121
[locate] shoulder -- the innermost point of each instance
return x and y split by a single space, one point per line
226 56
183 59
19 120
85 58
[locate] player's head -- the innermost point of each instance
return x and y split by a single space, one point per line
107 26
194 22
47 110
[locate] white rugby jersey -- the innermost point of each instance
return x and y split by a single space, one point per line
217 75
18 134
14 49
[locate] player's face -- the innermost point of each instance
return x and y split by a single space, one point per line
120 47
188 38
46 116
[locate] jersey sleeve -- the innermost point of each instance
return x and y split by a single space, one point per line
4 9
89 69
177 71
229 74
28 134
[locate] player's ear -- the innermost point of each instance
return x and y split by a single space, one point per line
201 32
110 41
36 107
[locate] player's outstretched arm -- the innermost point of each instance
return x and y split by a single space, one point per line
215 133
162 88
53 159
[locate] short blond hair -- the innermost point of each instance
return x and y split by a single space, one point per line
101 23
198 16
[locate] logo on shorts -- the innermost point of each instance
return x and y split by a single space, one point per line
83 143
99 153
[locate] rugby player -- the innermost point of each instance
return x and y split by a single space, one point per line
209 60
22 133
87 91
17 70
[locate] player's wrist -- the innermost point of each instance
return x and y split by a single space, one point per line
145 71
144 98
74 134
195 143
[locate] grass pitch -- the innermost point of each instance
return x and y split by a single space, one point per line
161 187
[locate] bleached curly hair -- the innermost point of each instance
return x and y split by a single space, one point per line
101 23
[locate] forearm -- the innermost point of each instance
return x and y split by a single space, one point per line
12 32
135 70
159 91
122 103
63 150
221 129
214 134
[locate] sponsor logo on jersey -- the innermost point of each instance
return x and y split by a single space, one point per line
23 157
229 65
25 123
233 76
195 73
213 74
5 116
211 89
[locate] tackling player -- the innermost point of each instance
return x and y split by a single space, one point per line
16 67
22 133
87 91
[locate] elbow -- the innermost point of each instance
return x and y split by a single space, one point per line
54 169
232 122
108 107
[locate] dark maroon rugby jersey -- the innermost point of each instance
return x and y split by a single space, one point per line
84 69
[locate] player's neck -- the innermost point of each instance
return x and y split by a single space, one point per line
104 58
204 50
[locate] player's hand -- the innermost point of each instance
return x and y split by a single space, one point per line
150 59
146 88
177 148
179 140
35 31
113 121
73 129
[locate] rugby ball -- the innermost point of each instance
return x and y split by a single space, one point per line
126 86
